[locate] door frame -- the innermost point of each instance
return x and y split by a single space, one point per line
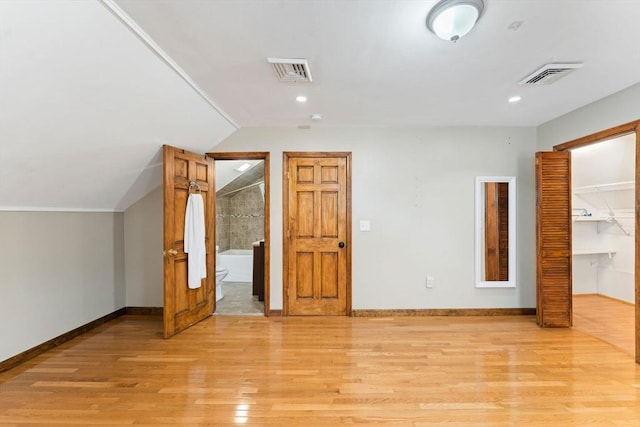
285 215
614 132
264 156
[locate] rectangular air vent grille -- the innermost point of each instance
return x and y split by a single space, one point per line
550 73
291 70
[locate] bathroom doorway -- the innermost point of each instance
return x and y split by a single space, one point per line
241 233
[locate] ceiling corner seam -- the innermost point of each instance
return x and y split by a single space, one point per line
155 48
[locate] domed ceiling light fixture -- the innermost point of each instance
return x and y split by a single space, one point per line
452 19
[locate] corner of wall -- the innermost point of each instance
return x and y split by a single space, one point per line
616 109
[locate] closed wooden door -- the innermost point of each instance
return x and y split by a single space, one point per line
184 306
317 234
553 239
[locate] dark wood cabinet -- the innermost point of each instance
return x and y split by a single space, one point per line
258 270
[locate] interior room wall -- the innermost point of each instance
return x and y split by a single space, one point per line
416 186
619 108
59 271
614 110
403 178
143 249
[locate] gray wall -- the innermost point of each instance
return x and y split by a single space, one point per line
58 271
143 249
619 108
416 186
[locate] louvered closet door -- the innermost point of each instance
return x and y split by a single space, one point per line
553 239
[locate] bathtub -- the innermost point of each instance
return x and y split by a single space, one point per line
239 262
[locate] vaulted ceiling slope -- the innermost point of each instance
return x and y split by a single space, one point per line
85 107
85 104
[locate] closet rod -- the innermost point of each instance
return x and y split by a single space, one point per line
584 211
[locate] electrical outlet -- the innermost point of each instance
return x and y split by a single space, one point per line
430 280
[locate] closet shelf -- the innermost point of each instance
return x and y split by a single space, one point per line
582 218
626 185
595 251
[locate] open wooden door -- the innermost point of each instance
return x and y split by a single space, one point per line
553 239
183 306
317 243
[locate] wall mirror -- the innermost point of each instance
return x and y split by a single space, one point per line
496 231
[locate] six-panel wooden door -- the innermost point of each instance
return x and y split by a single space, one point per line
317 234
183 306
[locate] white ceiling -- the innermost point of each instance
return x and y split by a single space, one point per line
85 104
226 170
375 62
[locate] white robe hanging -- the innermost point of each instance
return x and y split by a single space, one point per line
194 235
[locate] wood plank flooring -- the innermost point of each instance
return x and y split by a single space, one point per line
610 320
327 371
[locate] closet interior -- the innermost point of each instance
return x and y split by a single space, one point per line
603 185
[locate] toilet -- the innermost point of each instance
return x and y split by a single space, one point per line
221 273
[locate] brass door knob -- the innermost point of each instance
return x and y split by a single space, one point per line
170 252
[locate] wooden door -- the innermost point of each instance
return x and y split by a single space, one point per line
553 239
183 306
317 234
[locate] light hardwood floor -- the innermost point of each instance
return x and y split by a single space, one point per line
607 319
327 371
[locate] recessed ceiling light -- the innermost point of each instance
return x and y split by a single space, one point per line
301 98
243 167
515 99
316 117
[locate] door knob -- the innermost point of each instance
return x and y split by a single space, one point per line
170 252
341 245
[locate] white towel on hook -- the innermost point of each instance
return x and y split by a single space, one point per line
194 236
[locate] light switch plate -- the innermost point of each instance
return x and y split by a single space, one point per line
365 225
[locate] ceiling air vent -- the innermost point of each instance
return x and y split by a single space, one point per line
291 70
550 73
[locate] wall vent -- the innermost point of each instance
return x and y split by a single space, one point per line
550 73
291 70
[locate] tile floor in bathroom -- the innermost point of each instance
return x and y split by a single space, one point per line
238 300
